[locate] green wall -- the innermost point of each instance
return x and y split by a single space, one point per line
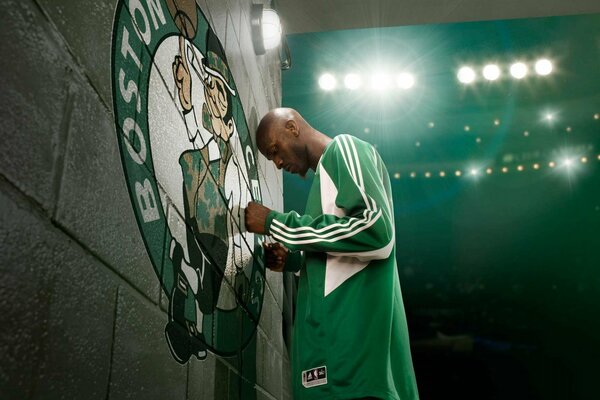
505 263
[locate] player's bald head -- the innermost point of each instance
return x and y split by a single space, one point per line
274 123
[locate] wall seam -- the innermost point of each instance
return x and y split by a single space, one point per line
112 343
39 209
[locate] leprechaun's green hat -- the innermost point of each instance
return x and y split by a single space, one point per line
215 61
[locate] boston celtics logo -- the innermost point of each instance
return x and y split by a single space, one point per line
190 168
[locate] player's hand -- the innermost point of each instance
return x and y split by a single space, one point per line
256 215
275 256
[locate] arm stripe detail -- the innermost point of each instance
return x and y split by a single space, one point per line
335 239
341 230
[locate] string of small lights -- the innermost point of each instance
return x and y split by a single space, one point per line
566 163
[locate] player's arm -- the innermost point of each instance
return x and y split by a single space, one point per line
366 230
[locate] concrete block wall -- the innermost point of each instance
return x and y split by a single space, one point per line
82 312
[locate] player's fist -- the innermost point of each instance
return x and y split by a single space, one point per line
275 256
255 216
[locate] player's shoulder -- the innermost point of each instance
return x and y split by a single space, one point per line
350 143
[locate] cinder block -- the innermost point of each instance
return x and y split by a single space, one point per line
203 4
221 381
201 377
27 264
87 28
275 280
94 204
57 307
142 366
77 348
218 11
268 367
235 386
237 67
270 321
248 367
34 100
286 376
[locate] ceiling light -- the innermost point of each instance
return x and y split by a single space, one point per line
518 70
466 75
504 169
496 122
567 162
405 80
552 164
458 173
489 171
427 174
520 168
526 133
467 128
543 67
584 159
327 82
397 175
536 166
596 116
352 81
431 124
491 72
442 174
266 28
474 172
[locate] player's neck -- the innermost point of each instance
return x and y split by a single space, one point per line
316 148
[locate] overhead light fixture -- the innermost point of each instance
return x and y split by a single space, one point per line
327 82
543 67
466 75
266 29
491 72
518 70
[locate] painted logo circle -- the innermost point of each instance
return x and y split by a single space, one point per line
190 169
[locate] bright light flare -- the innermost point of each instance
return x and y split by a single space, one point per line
352 81
380 81
518 70
327 82
466 75
405 80
543 67
491 72
567 162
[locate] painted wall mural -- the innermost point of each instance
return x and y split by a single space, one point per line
190 169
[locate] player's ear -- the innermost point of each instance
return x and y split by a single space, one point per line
292 127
